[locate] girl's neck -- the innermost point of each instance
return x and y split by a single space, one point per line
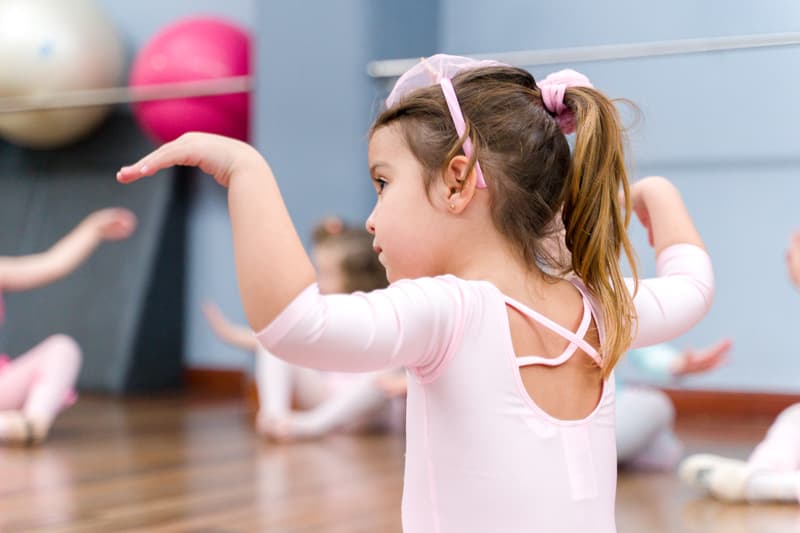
499 264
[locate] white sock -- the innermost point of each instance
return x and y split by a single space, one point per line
726 479
274 380
350 406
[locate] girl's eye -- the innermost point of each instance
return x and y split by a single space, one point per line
380 183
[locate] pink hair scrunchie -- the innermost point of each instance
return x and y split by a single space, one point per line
553 88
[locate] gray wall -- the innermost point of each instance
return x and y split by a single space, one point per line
314 101
108 302
210 269
720 125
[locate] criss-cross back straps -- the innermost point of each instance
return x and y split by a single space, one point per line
576 340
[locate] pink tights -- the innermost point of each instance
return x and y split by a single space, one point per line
39 383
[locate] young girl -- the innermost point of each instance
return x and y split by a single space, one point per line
38 384
645 415
471 163
345 263
772 473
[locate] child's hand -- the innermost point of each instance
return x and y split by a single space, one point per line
113 223
793 259
213 154
213 314
698 361
393 385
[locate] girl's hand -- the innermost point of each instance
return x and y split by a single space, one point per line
793 259
272 266
113 223
215 155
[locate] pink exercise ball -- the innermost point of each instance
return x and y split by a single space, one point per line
198 48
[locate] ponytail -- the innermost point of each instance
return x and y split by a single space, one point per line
596 224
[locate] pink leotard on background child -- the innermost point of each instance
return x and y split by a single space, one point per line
481 455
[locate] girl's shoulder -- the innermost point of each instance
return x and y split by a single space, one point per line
444 292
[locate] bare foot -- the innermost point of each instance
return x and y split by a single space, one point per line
288 428
16 429
275 429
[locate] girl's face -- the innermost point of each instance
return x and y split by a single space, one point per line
328 260
410 227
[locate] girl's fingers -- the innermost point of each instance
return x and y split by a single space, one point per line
213 154
170 154
128 174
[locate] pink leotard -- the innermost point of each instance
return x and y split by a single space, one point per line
481 456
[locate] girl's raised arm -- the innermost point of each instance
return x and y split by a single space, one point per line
29 271
272 266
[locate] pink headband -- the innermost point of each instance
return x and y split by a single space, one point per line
553 88
441 68
461 126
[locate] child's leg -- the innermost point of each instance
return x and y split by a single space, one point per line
780 450
353 405
36 386
771 474
274 382
311 387
278 383
16 377
773 486
775 462
644 429
733 480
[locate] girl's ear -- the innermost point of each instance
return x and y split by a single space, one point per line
458 184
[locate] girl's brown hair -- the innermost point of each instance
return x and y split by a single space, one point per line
532 177
359 263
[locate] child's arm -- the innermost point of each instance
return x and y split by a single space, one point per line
271 265
669 305
660 208
698 361
415 324
793 259
26 272
662 361
238 336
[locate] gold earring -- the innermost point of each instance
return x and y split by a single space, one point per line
452 206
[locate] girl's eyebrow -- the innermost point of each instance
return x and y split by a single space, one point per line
378 164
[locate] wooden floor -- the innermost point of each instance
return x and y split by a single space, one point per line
166 464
